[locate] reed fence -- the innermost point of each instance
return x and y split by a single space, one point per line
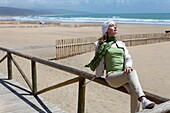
70 47
75 46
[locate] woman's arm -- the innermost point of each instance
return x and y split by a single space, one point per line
100 68
128 58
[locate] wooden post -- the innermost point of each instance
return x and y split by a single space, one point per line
34 77
9 64
81 96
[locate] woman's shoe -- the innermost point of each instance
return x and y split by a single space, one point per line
147 104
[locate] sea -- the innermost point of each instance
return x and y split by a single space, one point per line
123 18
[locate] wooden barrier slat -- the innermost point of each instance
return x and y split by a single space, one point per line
58 85
3 58
22 73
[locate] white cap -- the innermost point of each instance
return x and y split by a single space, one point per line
105 25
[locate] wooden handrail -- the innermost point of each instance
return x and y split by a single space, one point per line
82 74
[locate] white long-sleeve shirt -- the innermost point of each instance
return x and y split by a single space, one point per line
128 60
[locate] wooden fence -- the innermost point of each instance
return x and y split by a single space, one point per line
82 75
70 47
75 46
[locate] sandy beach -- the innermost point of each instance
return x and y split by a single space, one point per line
150 61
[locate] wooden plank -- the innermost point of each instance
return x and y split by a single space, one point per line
17 99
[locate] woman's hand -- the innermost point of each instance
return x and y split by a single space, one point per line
127 70
94 76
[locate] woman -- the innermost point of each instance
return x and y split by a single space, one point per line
113 56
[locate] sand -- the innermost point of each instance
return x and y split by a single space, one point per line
150 61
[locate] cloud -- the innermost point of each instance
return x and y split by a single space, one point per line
39 3
90 5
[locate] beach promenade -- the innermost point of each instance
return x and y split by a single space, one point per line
150 61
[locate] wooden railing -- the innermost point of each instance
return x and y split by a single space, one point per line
75 46
82 76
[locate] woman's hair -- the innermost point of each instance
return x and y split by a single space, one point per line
103 38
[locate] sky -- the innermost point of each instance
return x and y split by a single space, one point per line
97 6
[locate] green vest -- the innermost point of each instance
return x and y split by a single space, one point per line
114 59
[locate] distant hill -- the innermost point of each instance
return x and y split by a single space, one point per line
64 11
10 11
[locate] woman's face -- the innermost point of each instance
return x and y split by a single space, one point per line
112 29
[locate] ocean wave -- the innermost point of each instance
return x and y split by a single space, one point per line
89 19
